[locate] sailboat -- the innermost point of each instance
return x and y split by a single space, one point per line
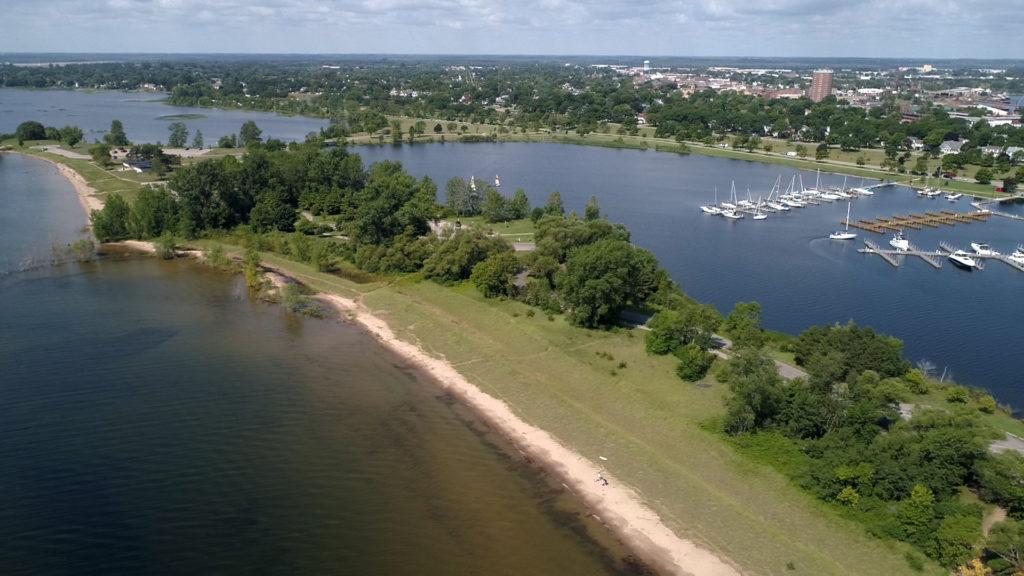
497 181
844 234
472 183
777 204
732 198
713 208
758 215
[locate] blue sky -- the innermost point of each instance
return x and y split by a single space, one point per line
873 28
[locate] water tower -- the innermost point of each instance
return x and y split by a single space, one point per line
647 66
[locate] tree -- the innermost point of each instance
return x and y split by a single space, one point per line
801 150
197 140
1010 184
456 256
592 210
178 136
30 130
391 203
494 276
229 141
71 135
743 325
461 200
916 516
694 362
153 213
955 539
249 134
495 207
116 135
396 132
111 223
983 176
848 496
438 128
602 278
921 164
519 207
100 154
1006 546
554 205
821 152
272 212
756 391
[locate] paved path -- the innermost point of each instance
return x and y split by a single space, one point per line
65 153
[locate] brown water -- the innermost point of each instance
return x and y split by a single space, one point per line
156 420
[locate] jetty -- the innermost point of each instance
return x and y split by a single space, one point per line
919 221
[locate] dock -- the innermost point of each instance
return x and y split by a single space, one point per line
919 221
933 258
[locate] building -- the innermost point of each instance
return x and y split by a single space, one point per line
647 66
821 85
915 143
950 147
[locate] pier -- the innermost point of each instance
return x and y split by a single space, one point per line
919 221
933 258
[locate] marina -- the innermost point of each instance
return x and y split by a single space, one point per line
934 258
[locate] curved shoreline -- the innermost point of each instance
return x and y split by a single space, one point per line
618 506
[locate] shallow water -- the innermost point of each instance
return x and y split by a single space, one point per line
156 420
966 322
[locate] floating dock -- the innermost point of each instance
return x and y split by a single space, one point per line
919 221
934 259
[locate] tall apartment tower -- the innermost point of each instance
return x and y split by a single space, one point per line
821 85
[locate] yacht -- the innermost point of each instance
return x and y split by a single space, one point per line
961 258
732 215
844 234
983 249
1017 256
953 197
933 193
829 196
899 242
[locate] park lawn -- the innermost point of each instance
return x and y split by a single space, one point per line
513 230
653 428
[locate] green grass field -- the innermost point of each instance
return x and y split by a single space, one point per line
655 430
103 181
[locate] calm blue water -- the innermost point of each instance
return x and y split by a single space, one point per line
140 113
156 420
969 322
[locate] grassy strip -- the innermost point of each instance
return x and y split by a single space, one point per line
105 182
600 393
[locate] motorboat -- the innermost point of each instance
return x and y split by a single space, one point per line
953 197
961 258
844 234
983 249
1017 256
899 242
732 215
933 193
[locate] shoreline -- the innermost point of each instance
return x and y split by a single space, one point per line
617 506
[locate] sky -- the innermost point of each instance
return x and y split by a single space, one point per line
825 28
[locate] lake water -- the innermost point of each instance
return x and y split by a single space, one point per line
156 420
143 114
968 322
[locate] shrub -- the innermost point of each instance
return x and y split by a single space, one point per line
694 362
494 276
216 257
111 223
165 246
455 257
958 395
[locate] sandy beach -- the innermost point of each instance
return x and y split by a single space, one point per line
617 505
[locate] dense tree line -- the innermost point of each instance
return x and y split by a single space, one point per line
840 435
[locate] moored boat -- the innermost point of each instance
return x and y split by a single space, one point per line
961 258
899 242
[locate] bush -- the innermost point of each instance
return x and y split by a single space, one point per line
694 362
165 246
455 257
958 395
111 223
216 257
494 276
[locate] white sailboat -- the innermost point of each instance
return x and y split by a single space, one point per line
953 196
758 215
497 181
472 183
713 208
844 234
732 199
